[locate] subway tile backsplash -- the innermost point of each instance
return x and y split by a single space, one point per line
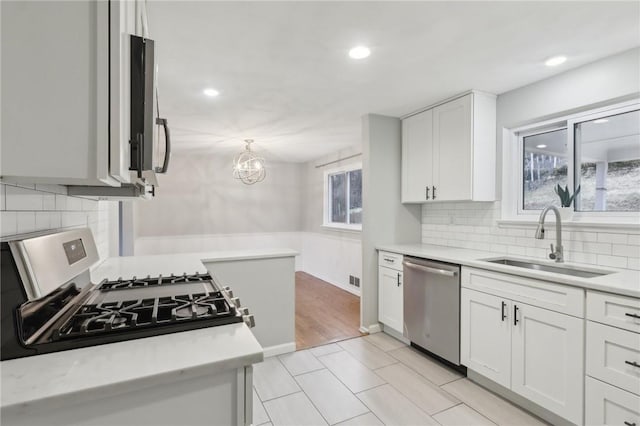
474 225
30 208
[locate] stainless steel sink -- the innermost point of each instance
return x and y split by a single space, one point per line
565 270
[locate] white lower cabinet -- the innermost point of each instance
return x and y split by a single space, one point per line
535 352
612 379
485 343
390 302
613 356
390 291
547 359
220 398
609 405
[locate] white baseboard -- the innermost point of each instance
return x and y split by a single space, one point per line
274 350
373 328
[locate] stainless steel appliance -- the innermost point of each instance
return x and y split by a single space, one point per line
144 161
49 303
432 307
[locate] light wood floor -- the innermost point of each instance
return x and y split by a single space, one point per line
324 313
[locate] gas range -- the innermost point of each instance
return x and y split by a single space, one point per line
50 306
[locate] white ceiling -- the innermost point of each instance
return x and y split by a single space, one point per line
286 80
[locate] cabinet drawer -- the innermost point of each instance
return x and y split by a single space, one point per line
610 355
555 297
608 405
390 260
611 309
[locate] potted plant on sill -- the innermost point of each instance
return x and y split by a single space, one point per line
566 211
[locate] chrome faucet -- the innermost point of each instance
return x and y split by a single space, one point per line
556 254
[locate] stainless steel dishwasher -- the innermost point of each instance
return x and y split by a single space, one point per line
432 306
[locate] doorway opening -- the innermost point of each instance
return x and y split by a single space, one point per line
324 312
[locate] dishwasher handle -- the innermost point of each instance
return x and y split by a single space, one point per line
430 270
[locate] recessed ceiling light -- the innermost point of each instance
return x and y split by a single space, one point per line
601 120
555 61
541 146
359 52
211 92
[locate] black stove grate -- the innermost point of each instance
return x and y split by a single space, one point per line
136 282
129 315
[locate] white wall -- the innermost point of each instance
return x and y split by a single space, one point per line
474 225
333 258
200 196
220 242
328 253
30 208
385 219
200 207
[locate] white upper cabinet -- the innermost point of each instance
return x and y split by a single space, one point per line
449 151
65 91
417 150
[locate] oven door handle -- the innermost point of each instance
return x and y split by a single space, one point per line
430 270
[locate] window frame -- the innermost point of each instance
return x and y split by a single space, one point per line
326 214
521 136
513 144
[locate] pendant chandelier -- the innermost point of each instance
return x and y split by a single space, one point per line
248 167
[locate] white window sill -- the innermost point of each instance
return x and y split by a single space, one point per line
356 229
572 224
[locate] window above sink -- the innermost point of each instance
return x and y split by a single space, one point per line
595 150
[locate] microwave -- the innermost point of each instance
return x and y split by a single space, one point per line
142 117
147 154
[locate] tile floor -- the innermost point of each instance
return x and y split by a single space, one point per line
372 380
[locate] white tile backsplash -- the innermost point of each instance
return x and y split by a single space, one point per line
8 223
26 222
22 199
474 225
30 208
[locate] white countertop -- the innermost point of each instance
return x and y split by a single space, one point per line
621 281
179 263
93 372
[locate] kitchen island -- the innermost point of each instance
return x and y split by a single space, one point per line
189 378
263 280
201 376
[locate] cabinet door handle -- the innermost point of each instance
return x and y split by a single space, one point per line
399 279
427 191
386 259
504 315
515 314
633 315
433 193
633 363
630 424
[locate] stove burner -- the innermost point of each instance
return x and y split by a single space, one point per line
194 307
134 314
136 282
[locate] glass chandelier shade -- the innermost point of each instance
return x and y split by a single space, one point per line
248 167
